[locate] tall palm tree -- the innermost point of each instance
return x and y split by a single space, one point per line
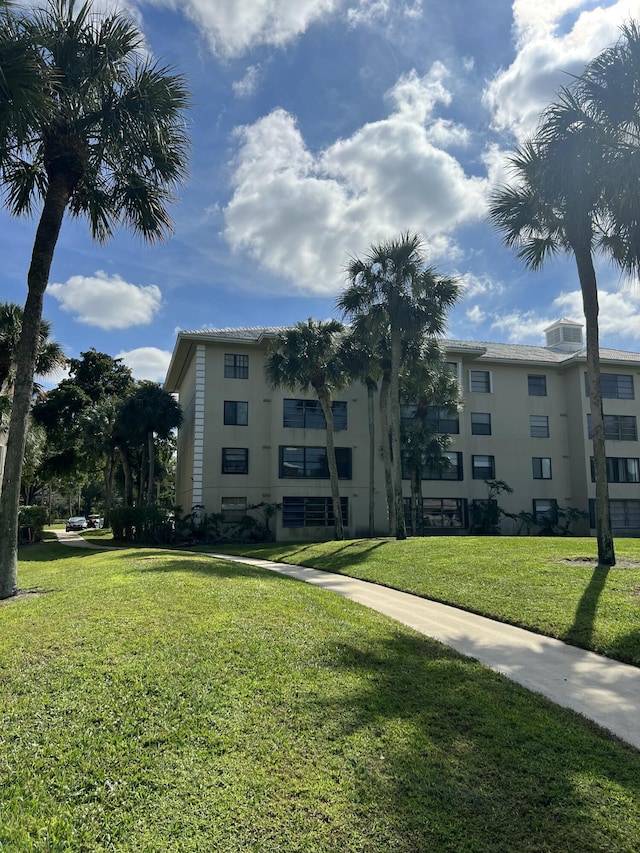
308 356
403 300
362 363
557 205
110 145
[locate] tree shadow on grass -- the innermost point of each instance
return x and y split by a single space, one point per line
466 761
581 631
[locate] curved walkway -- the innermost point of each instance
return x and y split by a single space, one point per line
597 687
601 689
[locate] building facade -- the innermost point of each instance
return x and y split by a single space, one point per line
524 419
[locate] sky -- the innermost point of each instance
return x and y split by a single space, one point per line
320 128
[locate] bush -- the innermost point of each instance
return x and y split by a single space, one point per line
141 525
31 521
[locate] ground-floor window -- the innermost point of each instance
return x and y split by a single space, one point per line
439 513
624 514
311 512
233 509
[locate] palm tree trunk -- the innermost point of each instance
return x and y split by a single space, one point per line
416 488
55 203
372 455
325 404
108 488
394 400
126 472
386 451
152 467
587 276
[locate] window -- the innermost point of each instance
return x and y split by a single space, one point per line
308 414
480 423
235 460
541 467
305 462
451 468
438 513
233 509
614 386
537 385
617 427
236 412
539 426
311 512
236 366
484 467
619 470
480 381
443 420
545 512
624 514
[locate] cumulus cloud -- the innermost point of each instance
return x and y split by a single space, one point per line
108 302
147 362
549 50
302 214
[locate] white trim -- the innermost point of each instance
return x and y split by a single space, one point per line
198 434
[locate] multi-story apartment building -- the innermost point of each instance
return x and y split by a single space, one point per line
524 419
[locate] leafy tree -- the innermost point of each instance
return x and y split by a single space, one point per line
80 417
309 356
149 410
403 300
109 144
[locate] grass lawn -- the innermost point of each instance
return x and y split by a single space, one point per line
548 585
162 701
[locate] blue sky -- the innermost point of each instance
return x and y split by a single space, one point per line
320 127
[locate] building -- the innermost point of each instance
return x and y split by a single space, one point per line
524 420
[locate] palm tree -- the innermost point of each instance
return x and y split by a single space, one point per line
362 364
426 383
49 354
309 356
109 144
403 300
558 206
147 412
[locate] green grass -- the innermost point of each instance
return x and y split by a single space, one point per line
520 580
159 701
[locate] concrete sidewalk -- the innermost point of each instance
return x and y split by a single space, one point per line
601 689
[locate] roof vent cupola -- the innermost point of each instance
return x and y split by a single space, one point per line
564 336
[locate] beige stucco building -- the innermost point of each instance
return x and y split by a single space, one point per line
524 420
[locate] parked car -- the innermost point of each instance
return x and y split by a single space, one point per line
77 522
95 521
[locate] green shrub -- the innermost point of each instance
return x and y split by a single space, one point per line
31 520
141 525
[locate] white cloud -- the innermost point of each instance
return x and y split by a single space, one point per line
147 362
548 54
483 285
233 27
247 86
619 318
302 215
476 315
108 302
